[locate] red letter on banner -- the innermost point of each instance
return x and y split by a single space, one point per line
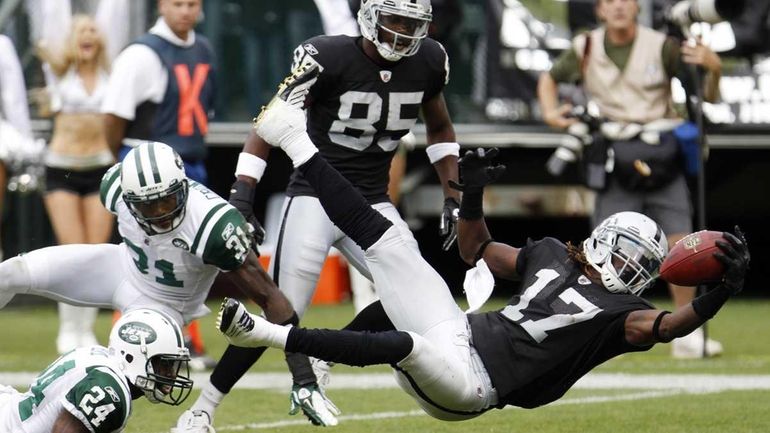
190 109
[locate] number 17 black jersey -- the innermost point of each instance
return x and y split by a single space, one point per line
556 330
359 110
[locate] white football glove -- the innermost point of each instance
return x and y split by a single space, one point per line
314 404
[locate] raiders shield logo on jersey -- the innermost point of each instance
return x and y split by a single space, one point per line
385 76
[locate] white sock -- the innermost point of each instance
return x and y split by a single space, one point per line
272 334
209 400
299 149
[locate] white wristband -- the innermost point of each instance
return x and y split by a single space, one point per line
439 150
250 165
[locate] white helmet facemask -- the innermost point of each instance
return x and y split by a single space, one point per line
396 28
626 249
151 351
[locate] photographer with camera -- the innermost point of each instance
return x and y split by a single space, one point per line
626 71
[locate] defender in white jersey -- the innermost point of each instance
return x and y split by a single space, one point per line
90 389
177 235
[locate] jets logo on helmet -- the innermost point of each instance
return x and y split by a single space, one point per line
136 333
152 354
396 27
626 249
154 186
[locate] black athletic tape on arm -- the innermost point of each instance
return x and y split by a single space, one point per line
707 305
482 248
656 327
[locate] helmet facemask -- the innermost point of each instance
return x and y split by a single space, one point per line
162 212
155 187
396 31
626 250
167 380
151 351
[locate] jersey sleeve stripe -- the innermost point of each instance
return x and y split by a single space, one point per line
207 225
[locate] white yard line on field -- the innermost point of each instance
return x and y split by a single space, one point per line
416 413
282 381
646 386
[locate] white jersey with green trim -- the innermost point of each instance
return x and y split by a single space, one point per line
178 267
86 382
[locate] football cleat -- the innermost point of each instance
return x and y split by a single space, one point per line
294 88
314 404
242 328
193 422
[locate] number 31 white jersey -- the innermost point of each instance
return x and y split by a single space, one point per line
179 267
86 382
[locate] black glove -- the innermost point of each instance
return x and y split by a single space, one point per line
448 224
242 198
735 256
477 170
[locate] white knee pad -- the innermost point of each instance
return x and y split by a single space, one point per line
14 278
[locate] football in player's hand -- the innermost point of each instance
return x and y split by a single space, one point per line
691 261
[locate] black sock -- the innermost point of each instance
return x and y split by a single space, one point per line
351 347
236 361
233 364
300 368
372 318
343 203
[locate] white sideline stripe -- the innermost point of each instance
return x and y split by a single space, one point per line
416 413
282 381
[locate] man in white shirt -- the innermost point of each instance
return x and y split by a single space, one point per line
162 89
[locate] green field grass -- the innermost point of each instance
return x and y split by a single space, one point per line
743 326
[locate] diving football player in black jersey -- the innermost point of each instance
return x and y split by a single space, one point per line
578 305
361 95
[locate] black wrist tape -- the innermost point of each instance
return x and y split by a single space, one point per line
707 305
241 190
471 206
656 328
482 248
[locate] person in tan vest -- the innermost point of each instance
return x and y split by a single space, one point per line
625 70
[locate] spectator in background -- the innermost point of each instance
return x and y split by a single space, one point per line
162 88
626 69
77 157
14 111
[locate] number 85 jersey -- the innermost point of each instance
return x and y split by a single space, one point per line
178 268
358 110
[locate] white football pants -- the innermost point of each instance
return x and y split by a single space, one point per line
306 235
86 275
443 373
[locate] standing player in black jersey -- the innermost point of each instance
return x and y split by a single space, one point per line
577 307
361 95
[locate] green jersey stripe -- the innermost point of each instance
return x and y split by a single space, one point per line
205 230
